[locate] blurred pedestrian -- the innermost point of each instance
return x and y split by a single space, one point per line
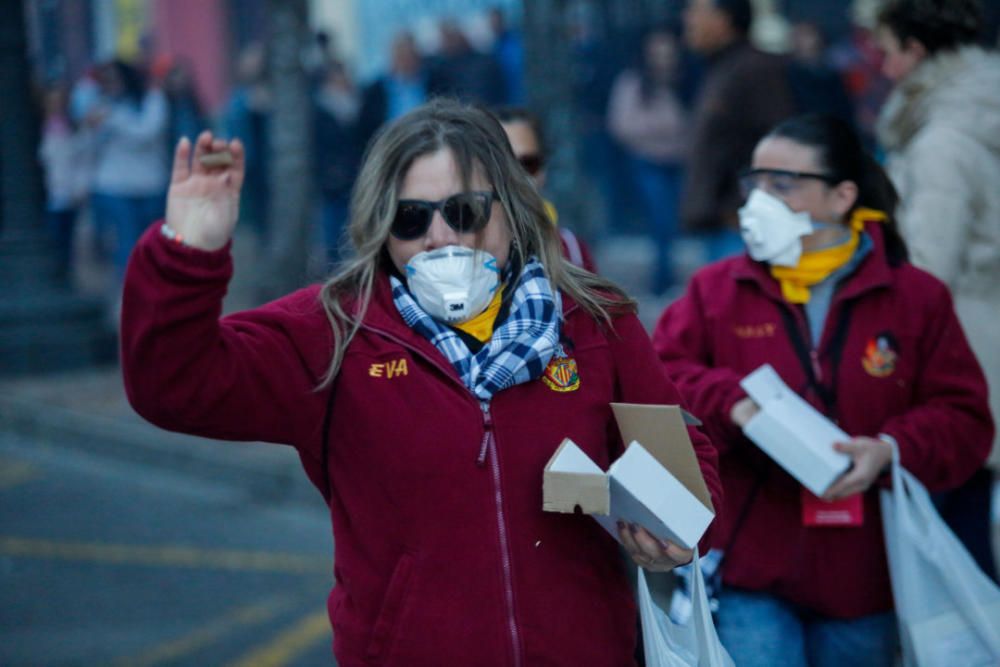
826 296
399 91
65 154
744 94
524 131
593 66
646 116
424 415
460 71
185 112
130 173
816 86
247 117
508 51
941 130
337 153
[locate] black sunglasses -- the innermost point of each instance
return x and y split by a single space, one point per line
532 163
465 212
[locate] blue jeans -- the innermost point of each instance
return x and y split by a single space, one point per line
659 185
761 630
128 217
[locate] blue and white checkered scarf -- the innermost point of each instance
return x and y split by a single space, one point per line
520 347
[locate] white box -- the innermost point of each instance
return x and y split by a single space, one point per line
793 433
656 483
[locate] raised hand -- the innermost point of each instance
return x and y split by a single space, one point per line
203 202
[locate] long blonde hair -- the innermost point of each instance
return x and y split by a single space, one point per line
478 144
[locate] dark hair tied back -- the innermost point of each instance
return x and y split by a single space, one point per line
842 155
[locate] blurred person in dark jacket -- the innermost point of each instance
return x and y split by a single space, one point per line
461 72
338 146
508 50
816 86
185 113
247 117
745 92
401 89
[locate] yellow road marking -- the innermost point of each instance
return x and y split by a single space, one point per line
169 556
13 473
209 634
289 644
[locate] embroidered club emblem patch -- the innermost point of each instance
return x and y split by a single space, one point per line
561 374
881 355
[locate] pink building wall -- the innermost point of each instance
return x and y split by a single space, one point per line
196 30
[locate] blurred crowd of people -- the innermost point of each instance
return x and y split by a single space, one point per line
660 123
108 136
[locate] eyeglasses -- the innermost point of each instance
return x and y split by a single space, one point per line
532 163
778 181
465 212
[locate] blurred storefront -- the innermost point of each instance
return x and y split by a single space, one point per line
66 37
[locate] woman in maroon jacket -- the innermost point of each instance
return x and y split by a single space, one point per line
827 297
424 386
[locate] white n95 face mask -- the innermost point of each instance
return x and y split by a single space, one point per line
453 284
772 231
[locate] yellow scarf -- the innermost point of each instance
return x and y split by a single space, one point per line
480 327
550 209
814 267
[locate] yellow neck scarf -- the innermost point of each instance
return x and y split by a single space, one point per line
550 210
815 267
480 327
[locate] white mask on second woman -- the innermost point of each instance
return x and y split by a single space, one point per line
772 231
453 284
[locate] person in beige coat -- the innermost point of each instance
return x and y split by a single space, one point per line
940 128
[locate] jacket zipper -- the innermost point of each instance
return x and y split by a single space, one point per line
489 447
486 448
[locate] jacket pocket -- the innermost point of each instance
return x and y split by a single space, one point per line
384 629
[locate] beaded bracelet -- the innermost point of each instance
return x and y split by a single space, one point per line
171 234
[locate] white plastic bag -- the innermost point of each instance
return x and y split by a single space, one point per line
668 644
948 610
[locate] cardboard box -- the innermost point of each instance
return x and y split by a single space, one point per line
656 483
793 433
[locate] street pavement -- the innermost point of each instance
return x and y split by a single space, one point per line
105 562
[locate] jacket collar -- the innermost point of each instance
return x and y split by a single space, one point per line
873 272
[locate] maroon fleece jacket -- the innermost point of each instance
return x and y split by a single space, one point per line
923 387
443 553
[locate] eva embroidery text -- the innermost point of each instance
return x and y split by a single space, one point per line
765 330
389 369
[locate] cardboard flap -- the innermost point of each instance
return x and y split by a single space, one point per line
571 479
662 432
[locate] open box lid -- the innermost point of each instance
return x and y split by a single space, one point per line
662 431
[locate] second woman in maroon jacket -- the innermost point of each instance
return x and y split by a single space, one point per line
827 297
